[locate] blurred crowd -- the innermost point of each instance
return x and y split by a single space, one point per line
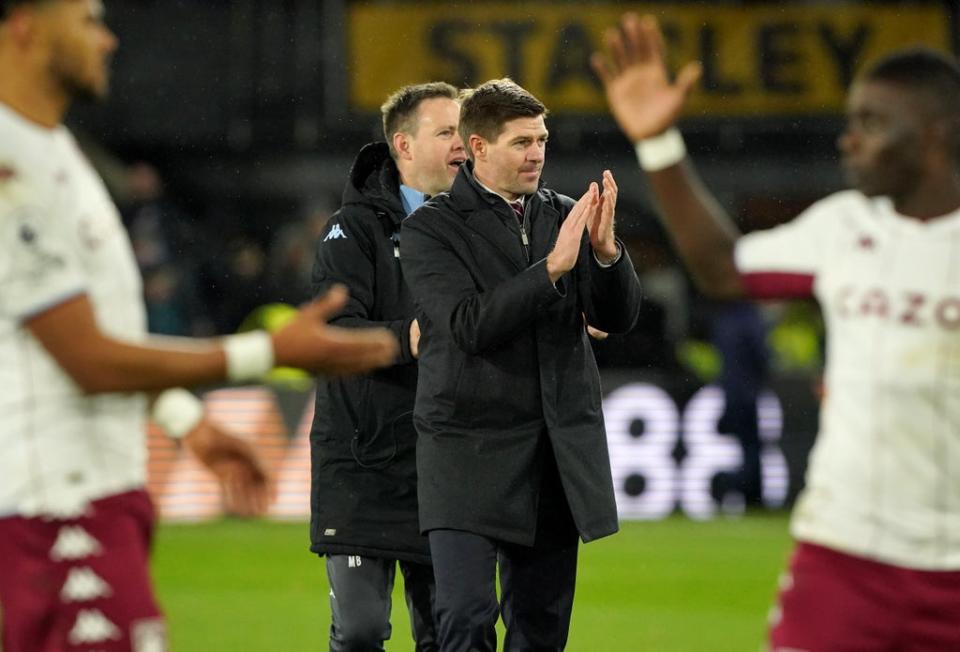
197 281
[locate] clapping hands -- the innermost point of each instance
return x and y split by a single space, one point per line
593 212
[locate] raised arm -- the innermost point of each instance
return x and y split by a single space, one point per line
646 106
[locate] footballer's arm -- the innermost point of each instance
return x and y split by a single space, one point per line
646 105
700 229
98 362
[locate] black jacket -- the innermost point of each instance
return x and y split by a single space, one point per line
363 496
504 358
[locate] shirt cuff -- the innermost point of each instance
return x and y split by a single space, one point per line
615 260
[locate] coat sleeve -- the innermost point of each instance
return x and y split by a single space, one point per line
476 320
613 294
345 255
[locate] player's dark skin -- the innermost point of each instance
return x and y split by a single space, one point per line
899 142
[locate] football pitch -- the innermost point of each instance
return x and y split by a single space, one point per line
668 586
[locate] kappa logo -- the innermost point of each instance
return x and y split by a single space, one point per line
336 233
149 635
73 542
83 585
92 626
774 616
785 582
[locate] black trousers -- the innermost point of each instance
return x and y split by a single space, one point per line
537 582
360 602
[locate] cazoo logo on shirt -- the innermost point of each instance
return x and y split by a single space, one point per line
908 307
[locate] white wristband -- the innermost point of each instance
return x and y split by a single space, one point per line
177 412
249 355
660 152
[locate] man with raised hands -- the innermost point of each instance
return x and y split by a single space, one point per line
512 457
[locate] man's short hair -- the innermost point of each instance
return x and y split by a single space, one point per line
484 110
932 73
399 112
929 74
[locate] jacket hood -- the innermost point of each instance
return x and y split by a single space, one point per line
374 180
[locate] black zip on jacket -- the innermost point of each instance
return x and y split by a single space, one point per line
363 497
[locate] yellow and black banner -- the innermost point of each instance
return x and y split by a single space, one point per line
758 60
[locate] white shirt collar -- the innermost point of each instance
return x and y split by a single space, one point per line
522 198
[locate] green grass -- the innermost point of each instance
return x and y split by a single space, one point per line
668 586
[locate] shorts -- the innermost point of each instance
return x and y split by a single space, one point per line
82 584
834 602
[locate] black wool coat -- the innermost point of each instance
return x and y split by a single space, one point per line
505 360
363 495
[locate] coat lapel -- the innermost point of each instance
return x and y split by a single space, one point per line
544 226
491 228
487 216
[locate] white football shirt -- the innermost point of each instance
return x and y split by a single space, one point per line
883 480
60 236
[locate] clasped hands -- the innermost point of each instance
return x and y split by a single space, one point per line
594 212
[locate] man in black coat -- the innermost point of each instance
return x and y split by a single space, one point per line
364 489
512 455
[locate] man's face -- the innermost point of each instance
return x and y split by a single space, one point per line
511 165
436 151
883 147
79 46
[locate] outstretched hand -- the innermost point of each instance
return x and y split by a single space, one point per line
247 490
634 75
309 343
